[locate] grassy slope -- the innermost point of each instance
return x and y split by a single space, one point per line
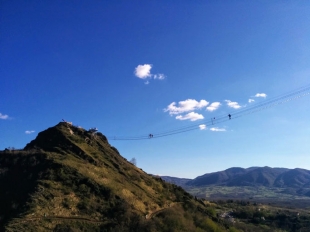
67 179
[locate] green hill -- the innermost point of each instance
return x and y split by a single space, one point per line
69 179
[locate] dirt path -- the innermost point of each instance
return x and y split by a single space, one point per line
77 218
149 216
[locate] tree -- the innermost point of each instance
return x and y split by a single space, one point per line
133 161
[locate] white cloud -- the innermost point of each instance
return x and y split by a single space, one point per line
29 132
185 106
147 82
261 95
234 105
251 100
159 76
143 71
4 116
217 129
190 116
202 127
213 106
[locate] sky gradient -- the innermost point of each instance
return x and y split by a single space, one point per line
134 68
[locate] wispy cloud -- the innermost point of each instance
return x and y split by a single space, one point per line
185 106
4 116
261 95
190 116
202 127
231 104
143 71
251 100
29 132
217 129
213 106
159 76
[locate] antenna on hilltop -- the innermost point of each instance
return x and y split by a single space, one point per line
70 123
93 132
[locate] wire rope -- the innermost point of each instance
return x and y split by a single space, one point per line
272 102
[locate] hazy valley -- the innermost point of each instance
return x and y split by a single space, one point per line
260 184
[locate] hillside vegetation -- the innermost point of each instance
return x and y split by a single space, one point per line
69 179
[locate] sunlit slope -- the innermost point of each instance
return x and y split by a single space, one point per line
69 177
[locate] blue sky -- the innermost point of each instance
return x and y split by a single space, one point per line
131 68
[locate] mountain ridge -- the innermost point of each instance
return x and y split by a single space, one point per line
252 176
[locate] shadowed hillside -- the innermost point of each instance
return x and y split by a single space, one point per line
254 176
217 177
69 179
294 178
264 176
175 180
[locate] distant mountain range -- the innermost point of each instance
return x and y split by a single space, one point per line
253 176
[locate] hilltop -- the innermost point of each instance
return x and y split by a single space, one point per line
72 179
